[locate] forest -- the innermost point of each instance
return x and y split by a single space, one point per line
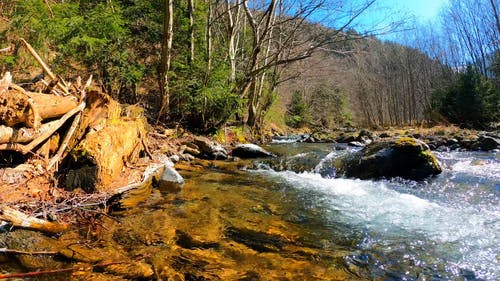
203 64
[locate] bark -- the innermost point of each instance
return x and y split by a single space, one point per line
208 42
191 31
112 141
26 107
45 132
168 34
233 20
495 13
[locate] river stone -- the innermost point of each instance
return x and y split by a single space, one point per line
170 180
486 143
249 150
209 149
405 157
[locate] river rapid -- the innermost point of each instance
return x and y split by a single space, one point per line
446 227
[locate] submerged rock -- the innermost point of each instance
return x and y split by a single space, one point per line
407 158
249 150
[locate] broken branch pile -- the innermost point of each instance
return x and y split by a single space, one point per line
71 132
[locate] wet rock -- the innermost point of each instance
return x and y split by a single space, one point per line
136 270
384 135
249 150
356 144
83 253
258 241
209 149
170 180
343 138
366 133
404 157
320 137
31 241
486 143
185 240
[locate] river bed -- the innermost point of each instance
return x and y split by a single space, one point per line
289 219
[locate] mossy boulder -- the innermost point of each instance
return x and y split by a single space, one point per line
405 157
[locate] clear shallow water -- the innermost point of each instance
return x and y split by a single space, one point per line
447 227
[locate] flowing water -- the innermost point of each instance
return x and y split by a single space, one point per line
289 219
443 228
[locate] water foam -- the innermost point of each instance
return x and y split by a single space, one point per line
468 236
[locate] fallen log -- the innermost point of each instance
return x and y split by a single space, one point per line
21 107
43 135
20 219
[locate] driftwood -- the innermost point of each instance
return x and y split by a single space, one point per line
28 108
92 135
49 130
19 219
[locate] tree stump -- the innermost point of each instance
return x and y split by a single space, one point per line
112 139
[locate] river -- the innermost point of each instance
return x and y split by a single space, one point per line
442 228
289 218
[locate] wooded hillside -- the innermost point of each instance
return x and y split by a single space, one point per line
203 64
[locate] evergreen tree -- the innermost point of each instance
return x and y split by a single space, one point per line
471 101
297 114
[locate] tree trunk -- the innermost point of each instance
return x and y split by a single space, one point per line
112 141
168 33
208 42
232 31
191 31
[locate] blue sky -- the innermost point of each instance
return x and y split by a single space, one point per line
384 12
421 9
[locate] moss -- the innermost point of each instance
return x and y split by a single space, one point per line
406 141
431 158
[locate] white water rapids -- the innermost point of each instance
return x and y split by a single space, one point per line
450 223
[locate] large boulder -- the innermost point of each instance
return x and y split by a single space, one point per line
407 158
486 143
249 150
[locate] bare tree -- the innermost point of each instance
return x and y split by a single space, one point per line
168 34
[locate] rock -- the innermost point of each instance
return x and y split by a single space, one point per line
345 138
249 150
175 158
486 143
30 241
133 270
366 133
384 135
356 144
191 150
404 157
170 180
209 149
